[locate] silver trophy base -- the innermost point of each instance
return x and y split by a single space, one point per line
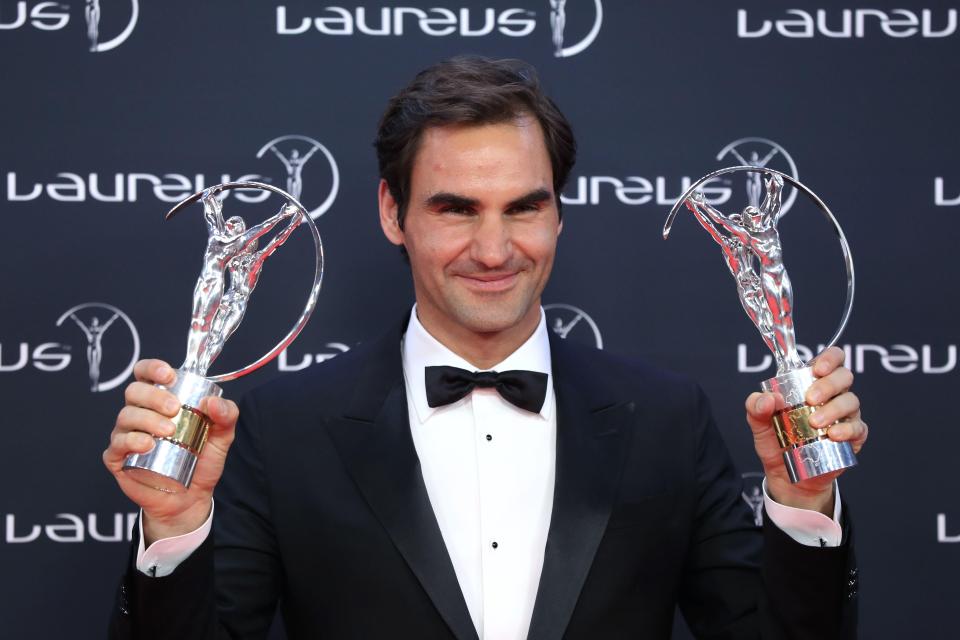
808 451
169 466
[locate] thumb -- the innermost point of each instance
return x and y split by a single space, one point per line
760 409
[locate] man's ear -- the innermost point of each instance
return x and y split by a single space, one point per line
389 210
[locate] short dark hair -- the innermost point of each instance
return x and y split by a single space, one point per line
470 90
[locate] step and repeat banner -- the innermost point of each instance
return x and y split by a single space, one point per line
114 110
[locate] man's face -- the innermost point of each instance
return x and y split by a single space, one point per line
480 228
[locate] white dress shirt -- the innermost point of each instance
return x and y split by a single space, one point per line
488 468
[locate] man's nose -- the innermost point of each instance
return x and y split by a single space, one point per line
491 245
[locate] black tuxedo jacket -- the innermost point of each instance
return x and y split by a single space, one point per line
322 508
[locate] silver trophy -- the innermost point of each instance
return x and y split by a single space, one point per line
233 251
753 254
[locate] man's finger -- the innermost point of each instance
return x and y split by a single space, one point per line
833 384
148 396
133 419
221 411
844 406
154 371
123 444
854 430
827 361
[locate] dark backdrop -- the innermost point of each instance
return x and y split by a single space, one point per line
96 145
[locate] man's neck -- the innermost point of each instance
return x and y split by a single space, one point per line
482 350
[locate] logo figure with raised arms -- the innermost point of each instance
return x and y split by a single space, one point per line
752 494
558 20
293 152
294 166
562 319
760 152
93 330
94 334
227 240
91 12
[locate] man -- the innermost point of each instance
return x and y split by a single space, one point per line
395 493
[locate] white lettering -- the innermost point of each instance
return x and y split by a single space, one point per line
744 32
447 24
21 363
75 190
12 194
58 361
802 27
283 366
942 530
73 532
928 366
175 192
362 27
13 538
101 197
282 27
742 365
57 19
329 26
520 26
20 20
488 21
897 23
117 534
938 197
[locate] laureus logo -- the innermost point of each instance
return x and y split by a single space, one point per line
752 494
565 319
761 153
93 320
53 16
466 22
293 152
558 26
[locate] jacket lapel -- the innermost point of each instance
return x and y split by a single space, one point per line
373 440
591 448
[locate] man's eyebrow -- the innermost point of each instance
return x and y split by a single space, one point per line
534 197
447 199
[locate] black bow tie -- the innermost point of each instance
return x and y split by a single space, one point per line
525 389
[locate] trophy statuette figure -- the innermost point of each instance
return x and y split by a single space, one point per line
753 253
232 252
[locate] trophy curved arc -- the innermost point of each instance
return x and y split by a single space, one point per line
844 245
317 278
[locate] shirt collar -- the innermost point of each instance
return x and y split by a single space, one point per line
420 350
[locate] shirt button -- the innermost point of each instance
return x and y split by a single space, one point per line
489 437
494 545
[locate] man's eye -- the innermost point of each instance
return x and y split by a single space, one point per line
523 208
456 210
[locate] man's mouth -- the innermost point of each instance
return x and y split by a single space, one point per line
489 282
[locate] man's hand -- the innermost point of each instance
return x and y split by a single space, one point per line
147 413
832 391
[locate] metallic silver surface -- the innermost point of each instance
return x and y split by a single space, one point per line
755 229
750 238
817 458
167 467
232 248
190 388
792 385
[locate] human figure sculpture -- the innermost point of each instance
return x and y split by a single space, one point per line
244 270
739 261
92 13
757 229
226 241
294 166
558 21
94 334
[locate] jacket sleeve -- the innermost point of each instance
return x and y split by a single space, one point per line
739 583
229 587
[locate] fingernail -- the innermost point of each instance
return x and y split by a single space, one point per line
169 428
759 404
816 420
171 405
813 397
